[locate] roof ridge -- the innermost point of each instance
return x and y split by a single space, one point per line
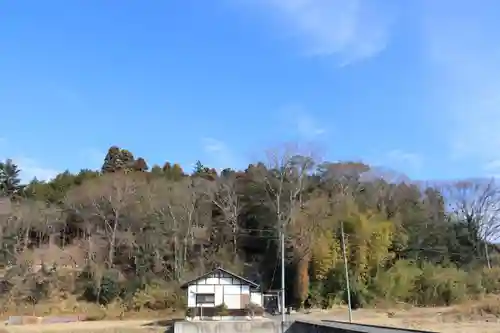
256 285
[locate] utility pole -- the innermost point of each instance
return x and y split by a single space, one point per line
346 272
487 254
282 241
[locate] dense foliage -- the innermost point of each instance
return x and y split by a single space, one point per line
132 233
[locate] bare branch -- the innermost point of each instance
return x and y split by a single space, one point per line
476 202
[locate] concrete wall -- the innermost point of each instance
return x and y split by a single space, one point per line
274 326
261 326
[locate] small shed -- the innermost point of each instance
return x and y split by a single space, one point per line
220 287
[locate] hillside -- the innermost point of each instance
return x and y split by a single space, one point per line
127 235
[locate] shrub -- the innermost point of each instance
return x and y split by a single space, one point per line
490 280
158 297
221 310
103 291
254 310
406 281
475 286
190 312
361 294
439 285
129 288
334 288
398 282
316 299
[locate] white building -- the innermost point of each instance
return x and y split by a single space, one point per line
210 291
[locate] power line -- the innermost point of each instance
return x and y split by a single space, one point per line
274 271
444 251
403 251
347 236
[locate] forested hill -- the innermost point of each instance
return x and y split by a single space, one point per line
135 226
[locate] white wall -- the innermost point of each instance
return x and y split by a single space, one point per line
224 289
245 290
232 290
232 297
232 301
256 298
191 296
224 280
212 280
219 291
205 289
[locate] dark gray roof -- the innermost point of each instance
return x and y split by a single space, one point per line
251 283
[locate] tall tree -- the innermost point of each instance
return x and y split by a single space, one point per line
10 181
118 159
227 199
475 207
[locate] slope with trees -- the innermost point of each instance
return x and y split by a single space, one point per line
129 235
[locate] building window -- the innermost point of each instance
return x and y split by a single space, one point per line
205 298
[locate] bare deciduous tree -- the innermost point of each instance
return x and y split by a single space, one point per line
32 218
285 181
476 203
106 201
226 198
174 203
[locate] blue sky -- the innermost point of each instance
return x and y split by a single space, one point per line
412 85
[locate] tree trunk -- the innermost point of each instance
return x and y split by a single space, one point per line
302 281
112 243
234 222
26 238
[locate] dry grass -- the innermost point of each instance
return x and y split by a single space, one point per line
129 326
87 330
70 306
104 320
476 316
486 309
482 316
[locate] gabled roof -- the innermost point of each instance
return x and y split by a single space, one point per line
251 283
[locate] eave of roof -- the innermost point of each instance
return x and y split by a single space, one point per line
251 283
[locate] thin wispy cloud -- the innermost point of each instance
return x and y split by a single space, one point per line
218 153
31 168
307 127
408 160
300 122
349 30
493 165
492 169
93 158
461 43
410 163
212 145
